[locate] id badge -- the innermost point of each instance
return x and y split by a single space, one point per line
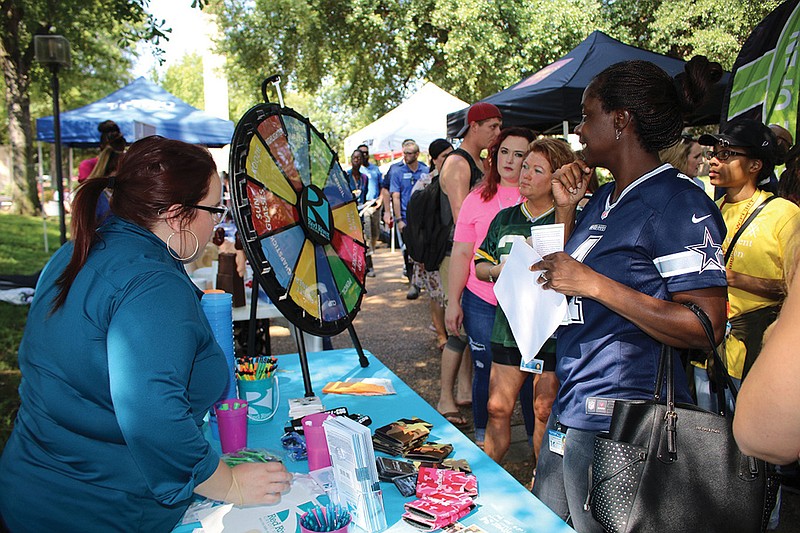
534 366
556 441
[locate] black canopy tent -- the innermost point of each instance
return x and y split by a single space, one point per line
551 98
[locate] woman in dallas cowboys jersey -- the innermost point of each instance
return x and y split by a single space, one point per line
644 244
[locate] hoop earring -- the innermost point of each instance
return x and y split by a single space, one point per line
176 256
617 133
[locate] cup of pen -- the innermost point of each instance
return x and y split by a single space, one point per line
232 422
330 518
258 385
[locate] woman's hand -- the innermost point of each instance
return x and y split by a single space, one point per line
567 276
258 483
453 317
569 183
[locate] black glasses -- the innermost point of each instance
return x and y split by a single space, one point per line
218 212
723 155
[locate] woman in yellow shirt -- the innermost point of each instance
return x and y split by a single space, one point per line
743 153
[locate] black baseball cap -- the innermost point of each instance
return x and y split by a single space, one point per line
759 140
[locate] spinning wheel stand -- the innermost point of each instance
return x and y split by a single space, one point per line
299 224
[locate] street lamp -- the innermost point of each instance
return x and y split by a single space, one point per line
53 51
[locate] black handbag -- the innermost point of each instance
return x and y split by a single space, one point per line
675 467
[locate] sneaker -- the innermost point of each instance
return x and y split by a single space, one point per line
413 293
370 273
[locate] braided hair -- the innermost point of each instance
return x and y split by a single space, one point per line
656 101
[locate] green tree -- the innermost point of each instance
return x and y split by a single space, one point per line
364 56
185 80
714 28
99 32
373 51
488 46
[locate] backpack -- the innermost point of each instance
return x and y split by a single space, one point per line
426 238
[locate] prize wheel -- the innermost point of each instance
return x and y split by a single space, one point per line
297 219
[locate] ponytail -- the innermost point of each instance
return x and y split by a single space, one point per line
84 233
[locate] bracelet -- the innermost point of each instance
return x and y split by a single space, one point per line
491 278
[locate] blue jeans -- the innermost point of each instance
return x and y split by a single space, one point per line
562 483
478 323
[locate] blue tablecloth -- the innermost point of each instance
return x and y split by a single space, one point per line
499 493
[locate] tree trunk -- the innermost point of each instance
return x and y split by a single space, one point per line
24 192
15 63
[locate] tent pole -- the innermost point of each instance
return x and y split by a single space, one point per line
566 129
41 186
69 169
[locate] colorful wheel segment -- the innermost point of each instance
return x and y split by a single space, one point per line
297 219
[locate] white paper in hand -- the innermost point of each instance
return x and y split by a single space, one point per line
533 313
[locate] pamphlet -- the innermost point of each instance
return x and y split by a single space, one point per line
533 313
355 472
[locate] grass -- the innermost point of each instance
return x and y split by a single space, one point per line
21 252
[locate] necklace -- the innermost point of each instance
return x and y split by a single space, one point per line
742 218
512 201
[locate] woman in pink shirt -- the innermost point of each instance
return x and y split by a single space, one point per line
471 301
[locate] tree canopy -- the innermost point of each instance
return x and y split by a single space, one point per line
100 33
343 62
365 56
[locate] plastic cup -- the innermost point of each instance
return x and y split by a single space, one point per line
232 423
316 443
342 529
263 398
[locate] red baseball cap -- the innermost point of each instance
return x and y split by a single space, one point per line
477 112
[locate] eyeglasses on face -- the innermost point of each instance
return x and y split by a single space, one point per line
723 155
218 212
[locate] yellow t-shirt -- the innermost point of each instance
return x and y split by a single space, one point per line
763 250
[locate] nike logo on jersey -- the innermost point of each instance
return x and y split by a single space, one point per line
695 220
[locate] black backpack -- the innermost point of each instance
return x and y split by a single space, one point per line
426 238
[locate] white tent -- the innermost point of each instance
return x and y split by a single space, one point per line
422 117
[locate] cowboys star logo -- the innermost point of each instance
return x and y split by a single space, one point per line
710 251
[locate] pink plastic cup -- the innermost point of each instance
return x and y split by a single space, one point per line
316 443
232 422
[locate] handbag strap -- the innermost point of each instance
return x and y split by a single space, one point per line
747 222
721 375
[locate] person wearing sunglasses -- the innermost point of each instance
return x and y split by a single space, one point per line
758 242
120 365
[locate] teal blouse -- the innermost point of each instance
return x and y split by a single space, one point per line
115 385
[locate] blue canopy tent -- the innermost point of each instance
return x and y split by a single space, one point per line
550 99
141 106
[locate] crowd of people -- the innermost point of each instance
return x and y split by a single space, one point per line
637 250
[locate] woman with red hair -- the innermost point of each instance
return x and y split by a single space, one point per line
471 302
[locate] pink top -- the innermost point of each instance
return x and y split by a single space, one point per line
473 224
85 168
